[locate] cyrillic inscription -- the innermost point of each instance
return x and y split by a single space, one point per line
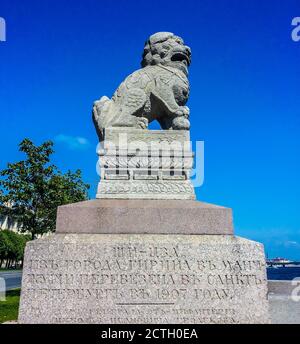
139 281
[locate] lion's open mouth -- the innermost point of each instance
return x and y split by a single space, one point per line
180 57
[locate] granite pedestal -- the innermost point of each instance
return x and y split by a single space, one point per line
82 274
144 216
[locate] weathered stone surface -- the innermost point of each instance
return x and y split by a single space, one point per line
144 216
158 91
146 189
142 164
101 278
132 138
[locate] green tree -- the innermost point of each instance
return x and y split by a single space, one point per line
4 246
32 189
12 246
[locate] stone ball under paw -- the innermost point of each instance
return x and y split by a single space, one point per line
181 123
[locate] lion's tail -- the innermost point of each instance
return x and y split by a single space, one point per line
101 115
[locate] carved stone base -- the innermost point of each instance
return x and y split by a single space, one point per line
123 278
146 189
145 164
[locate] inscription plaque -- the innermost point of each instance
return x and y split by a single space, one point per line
143 279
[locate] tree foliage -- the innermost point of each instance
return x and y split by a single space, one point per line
12 246
32 189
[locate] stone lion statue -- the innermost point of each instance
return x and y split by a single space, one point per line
157 91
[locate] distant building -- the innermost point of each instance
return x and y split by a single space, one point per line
8 223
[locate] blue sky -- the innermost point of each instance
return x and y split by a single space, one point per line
62 55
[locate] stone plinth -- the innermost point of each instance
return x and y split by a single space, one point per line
128 278
142 164
144 216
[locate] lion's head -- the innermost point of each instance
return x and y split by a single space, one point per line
166 49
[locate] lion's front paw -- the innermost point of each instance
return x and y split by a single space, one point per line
183 111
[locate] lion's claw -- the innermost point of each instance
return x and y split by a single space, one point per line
143 123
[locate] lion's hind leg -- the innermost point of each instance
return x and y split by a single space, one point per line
133 106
